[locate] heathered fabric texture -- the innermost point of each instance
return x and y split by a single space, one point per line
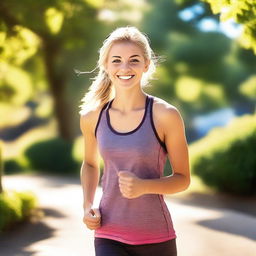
145 219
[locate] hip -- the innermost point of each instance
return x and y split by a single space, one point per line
105 247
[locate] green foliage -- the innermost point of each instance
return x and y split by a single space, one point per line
12 166
248 87
47 39
15 207
194 50
10 209
168 168
53 155
203 70
243 12
28 202
225 159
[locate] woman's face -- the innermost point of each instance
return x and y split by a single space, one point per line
125 64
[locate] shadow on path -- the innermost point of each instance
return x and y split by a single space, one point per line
15 242
237 213
219 201
229 223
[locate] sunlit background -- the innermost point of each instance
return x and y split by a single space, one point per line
207 70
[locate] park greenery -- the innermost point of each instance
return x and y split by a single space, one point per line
241 11
203 71
42 42
15 207
225 160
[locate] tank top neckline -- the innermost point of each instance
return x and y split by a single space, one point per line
132 131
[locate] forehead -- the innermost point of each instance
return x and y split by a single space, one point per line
125 49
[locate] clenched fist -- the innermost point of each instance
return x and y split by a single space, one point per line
130 185
92 218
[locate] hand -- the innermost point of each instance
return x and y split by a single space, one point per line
92 218
130 185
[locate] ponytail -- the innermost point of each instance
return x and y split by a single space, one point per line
100 92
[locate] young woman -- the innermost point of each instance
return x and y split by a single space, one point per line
134 133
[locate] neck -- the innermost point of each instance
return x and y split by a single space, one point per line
129 101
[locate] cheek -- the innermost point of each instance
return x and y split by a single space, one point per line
141 67
141 70
111 71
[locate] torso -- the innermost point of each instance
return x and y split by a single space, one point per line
131 142
129 121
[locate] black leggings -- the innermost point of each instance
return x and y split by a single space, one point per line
107 247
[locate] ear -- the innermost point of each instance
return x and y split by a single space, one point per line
147 63
104 65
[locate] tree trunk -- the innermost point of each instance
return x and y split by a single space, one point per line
1 168
57 87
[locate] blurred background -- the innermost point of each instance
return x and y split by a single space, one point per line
208 71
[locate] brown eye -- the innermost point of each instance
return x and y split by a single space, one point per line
116 61
134 60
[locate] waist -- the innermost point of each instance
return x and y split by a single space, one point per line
136 220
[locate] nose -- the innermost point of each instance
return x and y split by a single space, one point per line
125 66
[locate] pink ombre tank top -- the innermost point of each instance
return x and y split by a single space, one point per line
145 219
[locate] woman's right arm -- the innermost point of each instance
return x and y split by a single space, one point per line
90 170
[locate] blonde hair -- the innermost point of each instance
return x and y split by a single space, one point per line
101 89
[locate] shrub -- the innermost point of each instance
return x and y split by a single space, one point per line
12 166
225 159
28 202
53 155
15 207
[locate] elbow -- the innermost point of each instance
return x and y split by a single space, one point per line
186 183
90 165
89 168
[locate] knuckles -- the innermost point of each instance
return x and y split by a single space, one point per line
127 185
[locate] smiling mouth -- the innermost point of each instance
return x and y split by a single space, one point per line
125 77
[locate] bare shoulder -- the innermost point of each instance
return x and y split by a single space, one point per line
88 120
169 122
165 112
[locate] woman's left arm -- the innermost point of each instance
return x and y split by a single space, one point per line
175 139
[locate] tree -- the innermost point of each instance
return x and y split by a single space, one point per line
241 11
203 70
66 30
193 58
1 168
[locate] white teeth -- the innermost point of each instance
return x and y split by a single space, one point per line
125 77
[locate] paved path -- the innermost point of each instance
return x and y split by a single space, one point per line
202 230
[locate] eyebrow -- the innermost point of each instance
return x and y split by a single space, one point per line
130 57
